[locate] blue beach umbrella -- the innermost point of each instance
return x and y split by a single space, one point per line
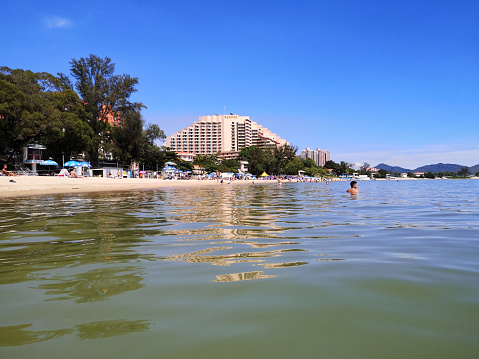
72 164
48 163
84 164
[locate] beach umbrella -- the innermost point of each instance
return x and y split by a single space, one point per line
84 164
72 164
48 163
264 174
142 172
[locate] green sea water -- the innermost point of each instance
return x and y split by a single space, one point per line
255 271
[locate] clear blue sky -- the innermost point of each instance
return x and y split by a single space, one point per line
370 81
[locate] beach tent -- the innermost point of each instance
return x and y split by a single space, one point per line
264 174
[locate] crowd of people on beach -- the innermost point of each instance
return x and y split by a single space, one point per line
279 179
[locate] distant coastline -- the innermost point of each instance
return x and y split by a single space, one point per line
434 168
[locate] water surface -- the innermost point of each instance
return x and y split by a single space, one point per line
300 270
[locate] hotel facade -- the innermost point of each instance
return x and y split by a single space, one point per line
320 157
222 133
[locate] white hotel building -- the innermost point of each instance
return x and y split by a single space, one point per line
222 133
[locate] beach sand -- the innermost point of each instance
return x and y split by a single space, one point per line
40 185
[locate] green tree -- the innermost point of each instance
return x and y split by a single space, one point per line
310 167
323 172
345 168
278 157
37 107
127 138
293 166
102 91
256 158
230 165
208 162
463 172
333 166
150 153
309 162
364 169
381 173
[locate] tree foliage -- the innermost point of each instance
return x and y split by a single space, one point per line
277 160
38 108
463 172
45 109
102 92
208 162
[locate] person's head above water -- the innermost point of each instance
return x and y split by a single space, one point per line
354 188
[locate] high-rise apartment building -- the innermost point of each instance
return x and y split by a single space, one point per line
222 133
320 157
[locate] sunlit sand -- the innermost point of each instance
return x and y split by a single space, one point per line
39 185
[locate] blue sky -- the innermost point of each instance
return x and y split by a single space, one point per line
370 81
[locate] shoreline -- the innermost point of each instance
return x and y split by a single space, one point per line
41 186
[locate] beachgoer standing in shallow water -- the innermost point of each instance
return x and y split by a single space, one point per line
353 190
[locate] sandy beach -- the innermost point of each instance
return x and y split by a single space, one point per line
39 185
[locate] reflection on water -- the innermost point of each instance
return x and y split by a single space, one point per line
397 263
18 335
94 285
242 276
105 329
228 259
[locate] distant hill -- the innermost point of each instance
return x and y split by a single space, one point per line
474 169
438 167
383 166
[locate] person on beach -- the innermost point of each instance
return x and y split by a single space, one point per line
354 188
63 173
73 174
5 172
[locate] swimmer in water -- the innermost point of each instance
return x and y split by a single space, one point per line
353 190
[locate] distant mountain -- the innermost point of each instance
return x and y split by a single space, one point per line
438 167
474 169
383 166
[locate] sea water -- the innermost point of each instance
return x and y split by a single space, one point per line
252 271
